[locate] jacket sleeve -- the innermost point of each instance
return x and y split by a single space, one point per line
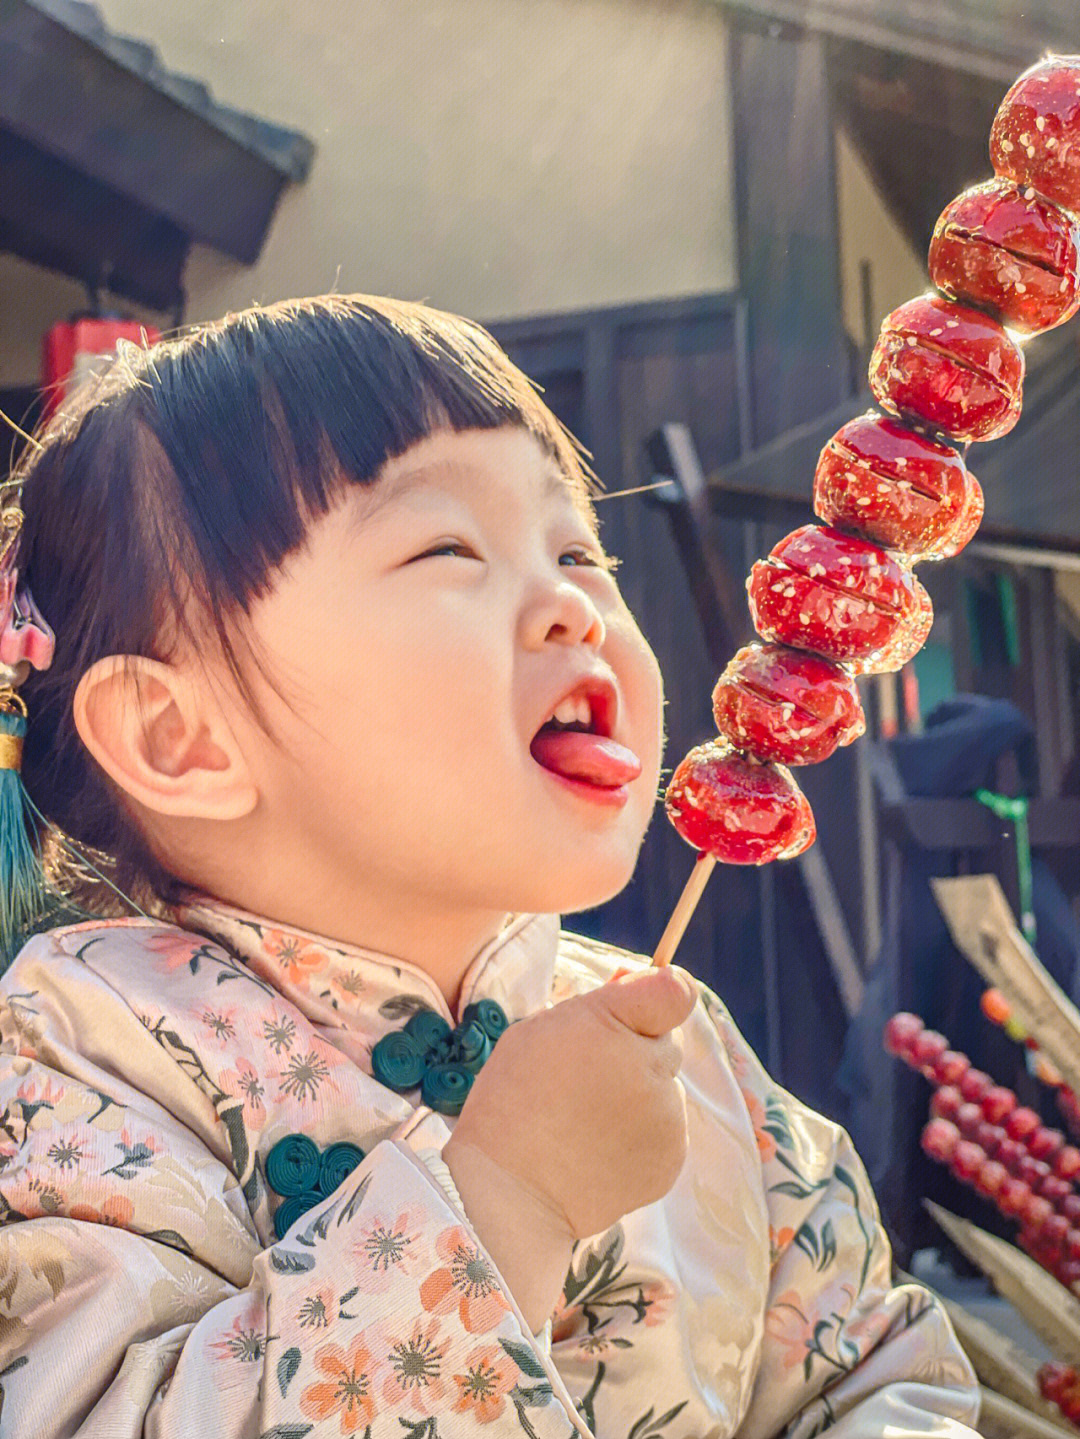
844 1350
136 1301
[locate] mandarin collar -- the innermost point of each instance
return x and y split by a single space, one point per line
357 994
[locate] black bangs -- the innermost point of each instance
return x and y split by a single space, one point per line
293 402
261 418
168 489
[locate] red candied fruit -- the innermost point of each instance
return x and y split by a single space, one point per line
1012 1196
940 1139
1053 1230
902 490
1035 138
968 1119
990 1178
1035 1213
971 517
783 704
1020 1123
945 1102
967 1159
1066 1164
833 594
1045 1143
974 1085
901 1031
997 1103
927 1049
951 1067
737 810
951 367
1004 248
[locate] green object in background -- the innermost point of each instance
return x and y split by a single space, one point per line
1010 617
992 628
1014 808
935 675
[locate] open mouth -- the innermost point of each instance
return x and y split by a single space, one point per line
582 751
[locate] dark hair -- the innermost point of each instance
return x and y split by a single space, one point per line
189 471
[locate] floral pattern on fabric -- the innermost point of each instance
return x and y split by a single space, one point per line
147 1070
466 1283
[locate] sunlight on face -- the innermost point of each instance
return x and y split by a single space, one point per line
424 634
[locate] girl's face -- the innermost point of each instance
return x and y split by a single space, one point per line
423 635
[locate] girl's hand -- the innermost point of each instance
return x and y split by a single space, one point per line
579 1109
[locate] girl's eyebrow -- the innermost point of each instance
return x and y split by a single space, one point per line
426 477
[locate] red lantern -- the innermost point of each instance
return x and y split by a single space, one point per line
75 349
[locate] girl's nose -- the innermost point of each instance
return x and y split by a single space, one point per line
563 612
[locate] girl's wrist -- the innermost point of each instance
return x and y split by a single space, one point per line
529 1242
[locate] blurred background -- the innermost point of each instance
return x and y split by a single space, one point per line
685 219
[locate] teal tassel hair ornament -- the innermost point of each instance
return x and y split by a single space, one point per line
23 885
26 642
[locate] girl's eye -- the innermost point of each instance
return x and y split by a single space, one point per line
587 557
595 559
446 550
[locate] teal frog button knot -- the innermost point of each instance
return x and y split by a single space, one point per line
442 1061
297 1170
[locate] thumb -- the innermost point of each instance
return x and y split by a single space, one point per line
653 1002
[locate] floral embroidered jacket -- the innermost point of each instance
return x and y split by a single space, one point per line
147 1069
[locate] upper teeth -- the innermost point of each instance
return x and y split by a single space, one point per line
570 711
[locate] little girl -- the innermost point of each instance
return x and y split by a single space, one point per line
345 709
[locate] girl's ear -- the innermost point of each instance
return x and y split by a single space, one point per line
163 740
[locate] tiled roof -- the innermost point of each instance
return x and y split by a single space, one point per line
287 150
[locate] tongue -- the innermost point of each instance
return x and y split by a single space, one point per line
589 757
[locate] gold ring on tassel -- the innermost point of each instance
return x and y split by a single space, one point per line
11 749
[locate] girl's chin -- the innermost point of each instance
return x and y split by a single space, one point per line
564 882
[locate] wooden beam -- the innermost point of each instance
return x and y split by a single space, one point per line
962 34
786 206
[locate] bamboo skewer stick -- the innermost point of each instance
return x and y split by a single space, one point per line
680 918
1001 1418
1048 1308
983 928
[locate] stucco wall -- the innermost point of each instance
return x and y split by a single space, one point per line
869 232
497 157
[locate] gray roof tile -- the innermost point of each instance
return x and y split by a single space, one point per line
287 150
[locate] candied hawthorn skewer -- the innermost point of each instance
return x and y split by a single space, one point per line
998 1146
947 373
